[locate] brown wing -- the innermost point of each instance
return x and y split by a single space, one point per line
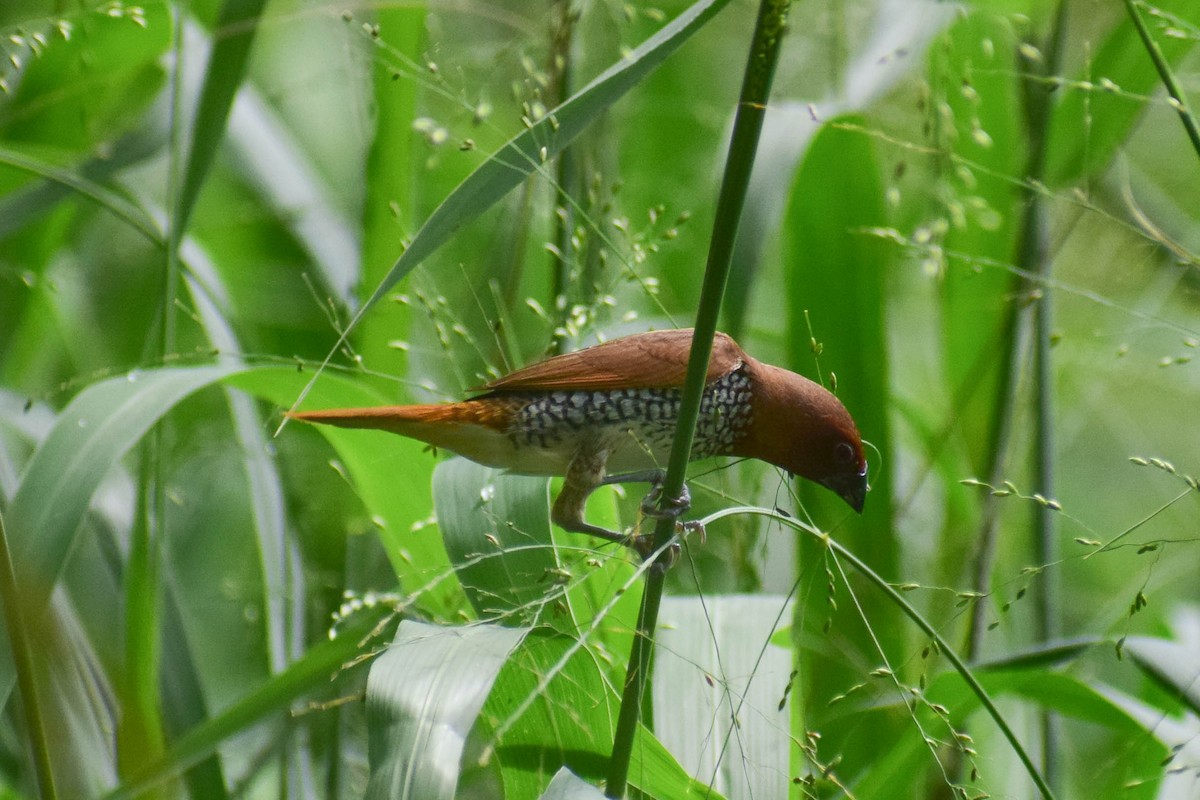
648 360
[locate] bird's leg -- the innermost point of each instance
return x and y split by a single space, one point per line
584 474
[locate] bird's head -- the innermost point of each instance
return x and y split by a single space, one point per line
802 427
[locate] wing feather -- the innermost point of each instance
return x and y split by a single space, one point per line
653 360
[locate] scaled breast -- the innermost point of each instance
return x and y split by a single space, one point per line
557 419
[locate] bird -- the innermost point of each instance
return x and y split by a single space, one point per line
606 414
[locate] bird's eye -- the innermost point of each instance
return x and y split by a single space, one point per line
843 453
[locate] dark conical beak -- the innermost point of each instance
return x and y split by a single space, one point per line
851 488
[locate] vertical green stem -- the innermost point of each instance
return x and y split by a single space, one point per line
23 663
1168 77
756 87
1034 260
567 167
139 735
1033 263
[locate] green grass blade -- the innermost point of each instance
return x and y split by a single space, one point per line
1171 664
1042 654
303 677
566 785
113 201
423 695
91 433
1167 74
497 532
234 35
529 150
22 656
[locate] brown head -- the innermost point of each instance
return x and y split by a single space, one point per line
803 428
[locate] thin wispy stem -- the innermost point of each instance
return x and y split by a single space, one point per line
1179 99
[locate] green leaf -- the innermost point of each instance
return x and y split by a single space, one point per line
1089 126
714 660
29 202
1045 654
308 674
236 26
423 695
542 140
391 474
552 706
837 274
496 528
1171 664
389 208
567 786
89 436
91 433
977 87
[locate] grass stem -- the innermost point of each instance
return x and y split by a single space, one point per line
22 654
747 126
1167 74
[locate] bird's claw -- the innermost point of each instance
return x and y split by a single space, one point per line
675 506
693 526
673 509
643 544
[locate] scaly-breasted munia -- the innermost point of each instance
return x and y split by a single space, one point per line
594 414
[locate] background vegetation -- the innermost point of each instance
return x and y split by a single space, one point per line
978 223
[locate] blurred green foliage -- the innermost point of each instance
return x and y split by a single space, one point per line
154 505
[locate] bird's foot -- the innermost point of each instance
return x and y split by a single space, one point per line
675 507
644 544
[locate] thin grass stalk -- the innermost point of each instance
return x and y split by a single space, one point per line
1001 426
926 627
1180 103
756 88
960 667
22 654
